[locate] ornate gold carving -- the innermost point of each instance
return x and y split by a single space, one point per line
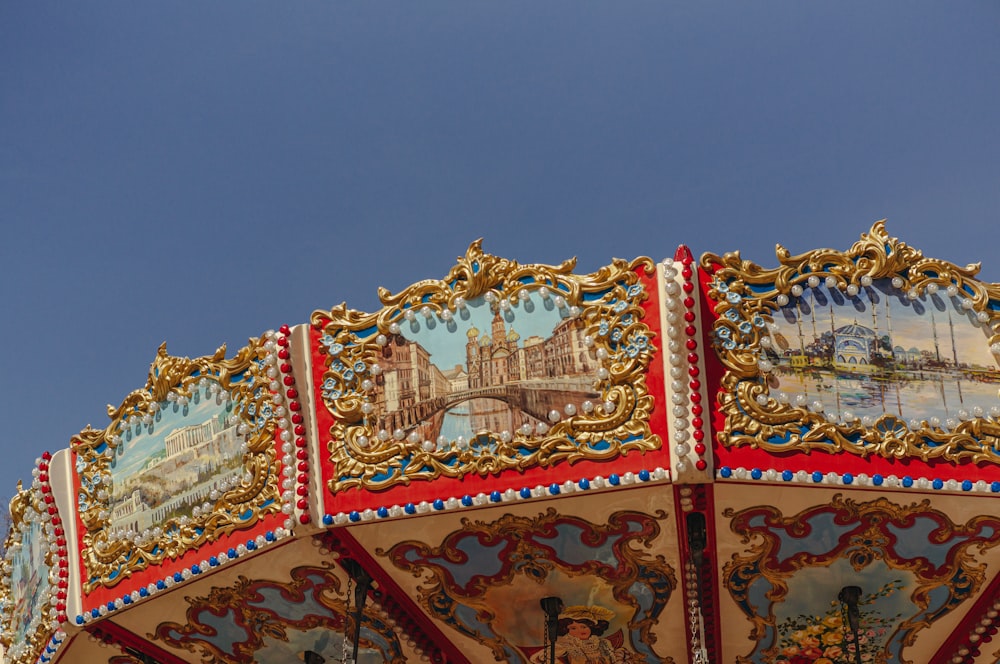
242 382
748 297
605 306
25 605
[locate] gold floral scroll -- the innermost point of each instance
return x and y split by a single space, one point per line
887 352
186 459
379 437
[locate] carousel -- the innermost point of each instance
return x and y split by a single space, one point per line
695 460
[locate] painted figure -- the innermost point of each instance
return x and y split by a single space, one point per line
579 639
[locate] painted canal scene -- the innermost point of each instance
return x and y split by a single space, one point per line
486 369
882 352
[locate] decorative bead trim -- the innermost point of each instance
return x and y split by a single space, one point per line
294 446
988 625
53 646
860 479
684 366
42 507
510 495
167 582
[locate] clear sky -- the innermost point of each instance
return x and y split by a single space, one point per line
197 173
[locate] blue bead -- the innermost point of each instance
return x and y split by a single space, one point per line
614 480
383 512
160 585
354 515
726 471
817 476
410 508
877 479
786 475
644 475
79 620
525 492
232 553
111 606
196 569
438 504
94 613
143 592
966 485
495 496
467 500
126 599
327 519
178 577
847 478
554 489
907 481
937 484
584 484
756 474
251 545
995 487
269 535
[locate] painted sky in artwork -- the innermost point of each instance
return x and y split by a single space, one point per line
446 343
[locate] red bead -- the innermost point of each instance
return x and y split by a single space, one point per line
295 405
695 398
700 464
49 499
689 302
697 422
688 287
283 353
63 573
686 261
288 380
692 357
56 521
291 393
296 419
43 466
686 272
43 477
303 466
46 456
304 518
691 344
689 316
698 435
696 410
690 330
699 448
60 606
282 341
693 371
695 384
284 329
300 442
300 430
302 454
303 478
64 584
302 490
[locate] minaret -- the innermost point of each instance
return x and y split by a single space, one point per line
937 350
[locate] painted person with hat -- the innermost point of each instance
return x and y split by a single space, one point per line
579 638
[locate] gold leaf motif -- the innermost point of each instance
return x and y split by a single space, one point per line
747 297
110 556
599 306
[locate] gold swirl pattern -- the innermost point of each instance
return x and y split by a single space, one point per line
244 393
747 300
603 309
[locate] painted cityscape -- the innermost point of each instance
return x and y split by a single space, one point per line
882 353
29 579
168 468
487 369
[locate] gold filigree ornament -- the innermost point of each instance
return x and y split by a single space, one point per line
876 350
29 577
572 374
186 459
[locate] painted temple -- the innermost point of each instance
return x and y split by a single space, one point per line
689 461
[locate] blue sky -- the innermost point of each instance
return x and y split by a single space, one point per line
200 173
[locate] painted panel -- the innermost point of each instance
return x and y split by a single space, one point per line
498 366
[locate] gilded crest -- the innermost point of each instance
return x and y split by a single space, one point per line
497 366
876 350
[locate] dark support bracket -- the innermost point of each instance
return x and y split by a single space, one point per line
362 584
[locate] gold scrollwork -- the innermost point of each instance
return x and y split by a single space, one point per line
25 604
603 311
747 300
247 417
